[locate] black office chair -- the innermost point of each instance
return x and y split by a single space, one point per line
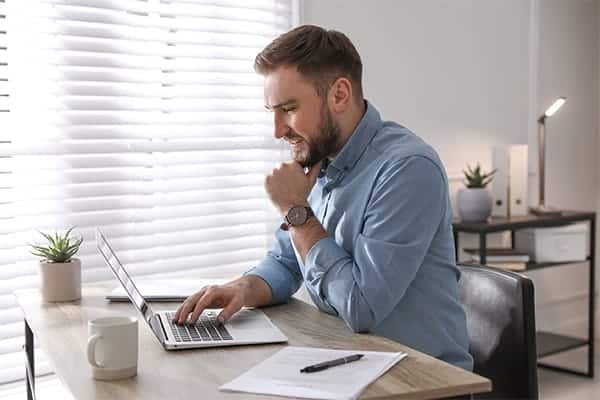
501 322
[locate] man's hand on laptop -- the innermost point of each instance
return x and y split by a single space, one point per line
250 291
229 297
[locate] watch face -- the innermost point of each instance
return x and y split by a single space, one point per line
297 215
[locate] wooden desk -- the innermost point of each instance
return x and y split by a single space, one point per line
61 330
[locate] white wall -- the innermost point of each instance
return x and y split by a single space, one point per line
568 66
469 74
449 70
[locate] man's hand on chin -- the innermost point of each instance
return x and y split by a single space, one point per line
288 185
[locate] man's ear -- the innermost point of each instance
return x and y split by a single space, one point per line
340 95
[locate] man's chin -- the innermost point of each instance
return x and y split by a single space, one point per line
300 158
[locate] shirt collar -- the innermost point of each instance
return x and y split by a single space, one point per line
356 144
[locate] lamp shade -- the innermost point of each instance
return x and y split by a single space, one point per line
558 103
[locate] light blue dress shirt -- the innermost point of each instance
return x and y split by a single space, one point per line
387 266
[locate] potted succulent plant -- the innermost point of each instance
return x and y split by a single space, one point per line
60 273
475 202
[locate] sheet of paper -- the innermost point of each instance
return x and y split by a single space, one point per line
280 374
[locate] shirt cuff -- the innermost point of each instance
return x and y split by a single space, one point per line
276 277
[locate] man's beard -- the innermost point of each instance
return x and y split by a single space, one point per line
326 144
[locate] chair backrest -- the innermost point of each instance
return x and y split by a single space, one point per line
501 322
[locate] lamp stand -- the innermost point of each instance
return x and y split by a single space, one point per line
542 208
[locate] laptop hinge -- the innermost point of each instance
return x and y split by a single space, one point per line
162 332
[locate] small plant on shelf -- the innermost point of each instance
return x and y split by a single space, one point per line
475 178
60 273
59 248
474 201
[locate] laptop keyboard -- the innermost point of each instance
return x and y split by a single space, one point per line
207 329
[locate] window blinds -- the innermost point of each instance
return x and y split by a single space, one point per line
144 118
11 325
3 63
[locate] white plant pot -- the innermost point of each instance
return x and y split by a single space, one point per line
60 281
474 204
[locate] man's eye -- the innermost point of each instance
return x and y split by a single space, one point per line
287 110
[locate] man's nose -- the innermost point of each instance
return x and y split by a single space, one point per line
280 125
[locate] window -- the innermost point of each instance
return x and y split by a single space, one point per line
144 118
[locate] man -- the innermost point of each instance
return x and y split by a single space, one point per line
368 229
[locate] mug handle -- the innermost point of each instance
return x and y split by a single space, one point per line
91 351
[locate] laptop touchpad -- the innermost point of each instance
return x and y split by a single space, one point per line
247 319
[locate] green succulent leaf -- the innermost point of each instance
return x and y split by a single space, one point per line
59 248
475 178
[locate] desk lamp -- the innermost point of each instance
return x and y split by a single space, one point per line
542 208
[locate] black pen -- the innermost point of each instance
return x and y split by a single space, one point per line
332 363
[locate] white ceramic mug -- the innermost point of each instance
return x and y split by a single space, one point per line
112 348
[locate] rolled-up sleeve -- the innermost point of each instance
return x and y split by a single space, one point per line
280 269
404 212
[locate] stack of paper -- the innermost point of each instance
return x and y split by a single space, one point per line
280 374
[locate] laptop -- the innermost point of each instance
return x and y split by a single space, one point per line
247 326
164 290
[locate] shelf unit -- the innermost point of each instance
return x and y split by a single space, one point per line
548 343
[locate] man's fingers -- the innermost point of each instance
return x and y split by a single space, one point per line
183 311
211 296
234 306
176 317
201 305
187 306
180 309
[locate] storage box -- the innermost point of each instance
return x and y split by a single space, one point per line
556 244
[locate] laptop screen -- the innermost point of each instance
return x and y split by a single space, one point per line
119 271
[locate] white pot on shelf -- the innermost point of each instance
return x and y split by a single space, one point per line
60 281
474 204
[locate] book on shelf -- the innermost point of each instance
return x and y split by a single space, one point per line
513 266
499 255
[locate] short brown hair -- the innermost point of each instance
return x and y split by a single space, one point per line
320 55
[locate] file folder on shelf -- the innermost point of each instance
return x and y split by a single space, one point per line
509 187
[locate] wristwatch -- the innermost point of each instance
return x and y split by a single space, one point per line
296 216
